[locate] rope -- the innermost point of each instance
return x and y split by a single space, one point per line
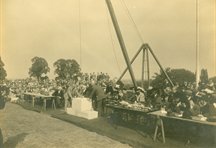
134 24
1 29
214 38
197 43
112 41
80 32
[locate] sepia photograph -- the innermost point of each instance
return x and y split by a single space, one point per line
107 73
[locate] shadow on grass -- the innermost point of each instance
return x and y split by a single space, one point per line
13 141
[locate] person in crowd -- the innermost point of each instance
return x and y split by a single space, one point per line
75 89
194 107
110 88
68 94
212 108
174 106
158 100
140 97
88 90
122 95
59 94
203 106
98 96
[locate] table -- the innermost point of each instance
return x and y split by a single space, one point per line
44 97
161 115
127 110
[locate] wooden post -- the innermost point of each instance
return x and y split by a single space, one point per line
53 104
148 67
159 123
162 130
66 103
155 134
33 101
131 62
143 67
149 48
44 104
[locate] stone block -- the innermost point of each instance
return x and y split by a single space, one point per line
82 107
81 104
71 111
88 114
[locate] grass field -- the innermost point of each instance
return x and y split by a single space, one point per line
22 128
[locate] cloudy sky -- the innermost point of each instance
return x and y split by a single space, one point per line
50 29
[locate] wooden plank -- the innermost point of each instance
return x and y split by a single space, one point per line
158 113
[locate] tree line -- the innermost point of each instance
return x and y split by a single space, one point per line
66 69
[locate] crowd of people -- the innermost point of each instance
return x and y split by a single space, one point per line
182 99
64 90
186 100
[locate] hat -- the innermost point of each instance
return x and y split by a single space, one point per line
208 91
140 88
150 87
117 86
188 92
59 87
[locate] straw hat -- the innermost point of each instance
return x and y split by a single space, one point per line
140 89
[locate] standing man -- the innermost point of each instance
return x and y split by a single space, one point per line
98 96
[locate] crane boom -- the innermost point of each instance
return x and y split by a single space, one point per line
121 41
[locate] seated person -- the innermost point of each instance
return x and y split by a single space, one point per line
212 108
194 107
158 101
203 106
174 106
140 97
112 90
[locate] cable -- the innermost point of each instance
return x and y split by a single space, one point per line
1 28
80 32
197 43
129 15
214 38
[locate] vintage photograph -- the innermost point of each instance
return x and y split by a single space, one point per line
107 73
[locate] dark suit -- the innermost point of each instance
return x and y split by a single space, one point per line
98 95
59 94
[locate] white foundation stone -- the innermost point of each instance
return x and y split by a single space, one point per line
82 107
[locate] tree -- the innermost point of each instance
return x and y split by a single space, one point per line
178 76
204 76
3 72
213 79
39 67
66 69
159 80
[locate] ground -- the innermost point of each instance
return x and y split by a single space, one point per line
27 129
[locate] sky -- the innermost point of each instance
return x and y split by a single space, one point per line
82 30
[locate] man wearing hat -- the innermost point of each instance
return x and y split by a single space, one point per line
97 95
